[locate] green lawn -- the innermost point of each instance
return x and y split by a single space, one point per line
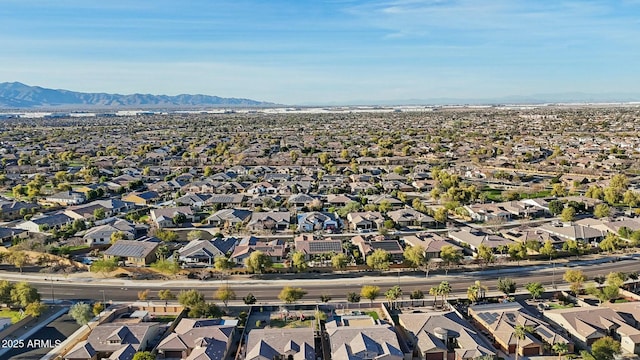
559 306
15 316
373 314
278 323
534 195
278 266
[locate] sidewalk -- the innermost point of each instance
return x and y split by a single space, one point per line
45 319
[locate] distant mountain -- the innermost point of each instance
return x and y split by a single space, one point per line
17 95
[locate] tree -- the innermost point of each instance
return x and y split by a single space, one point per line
414 256
444 289
568 214
416 295
257 262
379 260
393 293
23 294
339 261
18 259
165 266
353 297
558 190
450 255
143 295
99 214
166 294
35 309
601 211
602 349
548 249
104 266
115 236
178 219
440 215
194 235
225 294
434 291
5 291
222 263
144 355
520 332
556 207
560 348
476 292
325 298
535 289
166 235
162 251
299 261
575 278
370 292
190 298
97 308
610 243
290 295
81 313
507 286
249 299
485 253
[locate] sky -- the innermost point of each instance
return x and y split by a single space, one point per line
324 51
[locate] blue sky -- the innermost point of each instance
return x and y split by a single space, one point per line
331 51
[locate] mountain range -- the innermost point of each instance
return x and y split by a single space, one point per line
15 95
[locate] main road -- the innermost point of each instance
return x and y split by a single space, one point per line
337 287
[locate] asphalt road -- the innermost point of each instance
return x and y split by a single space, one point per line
338 288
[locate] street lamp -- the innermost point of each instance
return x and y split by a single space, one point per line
53 297
104 299
553 279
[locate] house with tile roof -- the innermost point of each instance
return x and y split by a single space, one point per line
204 252
269 344
197 339
116 341
364 342
134 252
437 335
501 319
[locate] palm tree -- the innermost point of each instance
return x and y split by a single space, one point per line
444 289
561 349
520 332
476 292
435 291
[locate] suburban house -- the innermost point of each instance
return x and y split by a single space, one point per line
312 246
368 220
101 235
586 325
202 339
474 238
164 217
315 221
225 201
13 210
575 232
7 235
204 252
368 244
300 200
364 342
437 335
133 252
274 220
432 243
45 223
268 344
66 198
501 319
408 217
228 218
275 249
196 201
116 341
